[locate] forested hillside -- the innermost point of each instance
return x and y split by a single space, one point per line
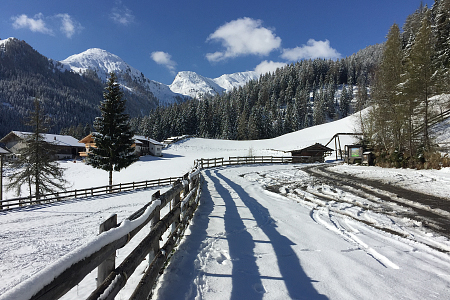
300 95
68 98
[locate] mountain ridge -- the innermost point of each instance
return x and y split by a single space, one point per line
185 83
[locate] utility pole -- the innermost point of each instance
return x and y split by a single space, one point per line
1 176
3 152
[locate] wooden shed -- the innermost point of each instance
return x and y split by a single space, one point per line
314 153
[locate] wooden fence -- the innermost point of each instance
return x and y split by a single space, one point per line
432 121
89 192
183 197
100 253
241 160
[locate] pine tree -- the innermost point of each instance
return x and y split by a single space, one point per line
344 104
329 101
419 80
389 110
441 30
254 125
319 107
36 166
113 137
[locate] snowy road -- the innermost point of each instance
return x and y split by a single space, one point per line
250 243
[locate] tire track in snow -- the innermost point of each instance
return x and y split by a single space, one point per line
349 236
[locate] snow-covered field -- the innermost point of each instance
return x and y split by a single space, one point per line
245 242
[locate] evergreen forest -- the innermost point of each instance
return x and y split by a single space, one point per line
307 93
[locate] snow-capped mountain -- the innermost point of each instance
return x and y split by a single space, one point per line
102 62
194 85
4 42
231 81
186 83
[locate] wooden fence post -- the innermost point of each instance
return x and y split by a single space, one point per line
187 187
109 264
154 249
175 202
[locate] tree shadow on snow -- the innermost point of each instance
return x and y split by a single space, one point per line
295 279
185 273
165 156
245 276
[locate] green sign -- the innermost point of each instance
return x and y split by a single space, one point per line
355 152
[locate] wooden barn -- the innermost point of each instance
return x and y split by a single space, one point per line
314 153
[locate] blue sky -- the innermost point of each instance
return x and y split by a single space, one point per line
212 38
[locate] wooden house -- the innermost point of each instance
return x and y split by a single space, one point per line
65 146
5 154
148 146
314 153
89 143
142 146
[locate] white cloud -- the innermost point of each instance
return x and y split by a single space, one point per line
36 24
268 66
121 14
163 58
68 25
313 49
242 37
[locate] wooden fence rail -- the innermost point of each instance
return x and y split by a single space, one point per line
183 196
88 192
240 160
432 121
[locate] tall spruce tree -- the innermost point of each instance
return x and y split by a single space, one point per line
441 28
113 137
389 109
419 77
36 166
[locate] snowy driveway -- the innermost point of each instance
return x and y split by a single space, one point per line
248 243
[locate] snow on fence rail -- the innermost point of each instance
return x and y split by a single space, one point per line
240 160
58 278
88 192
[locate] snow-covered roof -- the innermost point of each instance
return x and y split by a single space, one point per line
56 139
4 151
143 138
